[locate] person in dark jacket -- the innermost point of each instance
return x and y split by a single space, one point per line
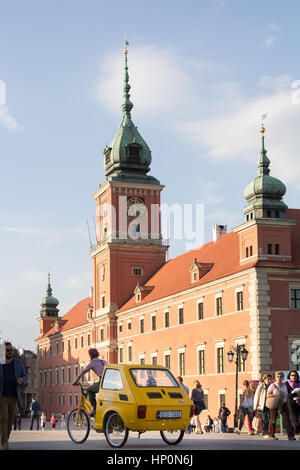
12 377
292 383
35 409
223 415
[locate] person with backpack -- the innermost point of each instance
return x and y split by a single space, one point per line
97 365
223 415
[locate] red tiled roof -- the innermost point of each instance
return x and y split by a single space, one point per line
75 317
175 276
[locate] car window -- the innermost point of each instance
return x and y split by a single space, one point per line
112 380
153 378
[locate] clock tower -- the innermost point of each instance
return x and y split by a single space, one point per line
129 247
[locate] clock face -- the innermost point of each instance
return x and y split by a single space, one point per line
135 206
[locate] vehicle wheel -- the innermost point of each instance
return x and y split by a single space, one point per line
116 432
172 437
78 426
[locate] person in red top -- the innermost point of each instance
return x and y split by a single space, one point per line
97 365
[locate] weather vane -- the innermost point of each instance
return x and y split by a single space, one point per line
263 117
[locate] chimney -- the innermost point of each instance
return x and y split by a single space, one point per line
218 231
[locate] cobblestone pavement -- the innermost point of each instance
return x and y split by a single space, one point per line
56 439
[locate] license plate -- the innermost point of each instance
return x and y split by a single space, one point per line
168 414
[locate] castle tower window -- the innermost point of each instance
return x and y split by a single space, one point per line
277 249
270 248
251 250
247 252
269 213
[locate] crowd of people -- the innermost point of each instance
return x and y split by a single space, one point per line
262 403
259 404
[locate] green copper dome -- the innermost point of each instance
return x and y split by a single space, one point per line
128 155
264 194
49 303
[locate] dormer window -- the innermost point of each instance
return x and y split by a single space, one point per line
134 153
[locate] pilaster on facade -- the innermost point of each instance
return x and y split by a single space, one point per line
260 324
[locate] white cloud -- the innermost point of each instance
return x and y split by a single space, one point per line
271 40
22 230
33 277
156 77
7 120
207 192
233 135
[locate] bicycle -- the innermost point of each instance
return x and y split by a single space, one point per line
79 421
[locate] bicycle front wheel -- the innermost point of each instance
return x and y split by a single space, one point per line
78 426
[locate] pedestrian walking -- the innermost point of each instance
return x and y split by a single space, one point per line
12 377
63 422
277 402
199 405
35 410
246 408
185 388
97 365
43 421
292 383
223 414
216 424
259 402
53 421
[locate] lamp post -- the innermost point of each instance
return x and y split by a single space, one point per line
239 351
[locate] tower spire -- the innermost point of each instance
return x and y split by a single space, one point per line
263 162
127 104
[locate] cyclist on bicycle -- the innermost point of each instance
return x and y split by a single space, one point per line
97 365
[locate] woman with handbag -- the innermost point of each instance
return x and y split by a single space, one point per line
198 400
277 402
259 404
246 407
293 404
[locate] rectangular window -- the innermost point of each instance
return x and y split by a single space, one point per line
154 360
76 342
137 271
153 322
57 377
219 309
69 345
142 329
200 311
168 361
277 249
247 252
101 334
182 363
251 250
102 300
201 354
81 341
222 398
70 399
129 325
167 319
57 347
180 316
121 355
129 353
295 298
120 328
220 360
270 248
62 346
240 300
62 375
69 374
89 339
142 361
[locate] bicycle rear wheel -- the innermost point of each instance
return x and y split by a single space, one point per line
78 426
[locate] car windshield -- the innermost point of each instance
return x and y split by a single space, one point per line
153 378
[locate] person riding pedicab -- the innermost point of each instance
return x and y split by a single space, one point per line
97 365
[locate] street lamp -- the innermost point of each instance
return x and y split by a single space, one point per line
239 351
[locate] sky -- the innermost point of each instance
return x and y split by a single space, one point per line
202 73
